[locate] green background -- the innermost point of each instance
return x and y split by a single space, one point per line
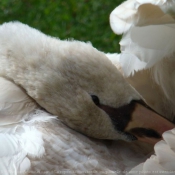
85 20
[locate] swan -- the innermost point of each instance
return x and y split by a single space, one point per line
147 63
46 85
101 91
34 141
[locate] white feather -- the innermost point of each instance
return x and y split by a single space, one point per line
40 143
123 17
163 160
143 46
147 62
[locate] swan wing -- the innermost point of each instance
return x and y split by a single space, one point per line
150 39
125 15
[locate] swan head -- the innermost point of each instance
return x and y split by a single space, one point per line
87 93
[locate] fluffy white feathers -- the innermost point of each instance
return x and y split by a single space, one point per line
42 144
148 50
163 160
147 62
124 16
143 44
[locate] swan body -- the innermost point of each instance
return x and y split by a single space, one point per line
86 91
147 61
34 141
49 86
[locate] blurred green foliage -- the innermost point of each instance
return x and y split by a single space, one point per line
85 20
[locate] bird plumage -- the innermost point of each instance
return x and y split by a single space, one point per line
147 63
39 73
145 54
64 61
40 143
62 77
19 105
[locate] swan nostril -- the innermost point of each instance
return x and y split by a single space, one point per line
95 99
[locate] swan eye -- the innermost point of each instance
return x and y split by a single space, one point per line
95 99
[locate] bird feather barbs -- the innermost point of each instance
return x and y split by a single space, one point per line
142 45
147 62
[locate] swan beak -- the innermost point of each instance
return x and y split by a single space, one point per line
147 125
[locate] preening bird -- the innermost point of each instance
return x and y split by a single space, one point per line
80 88
147 61
66 79
33 141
